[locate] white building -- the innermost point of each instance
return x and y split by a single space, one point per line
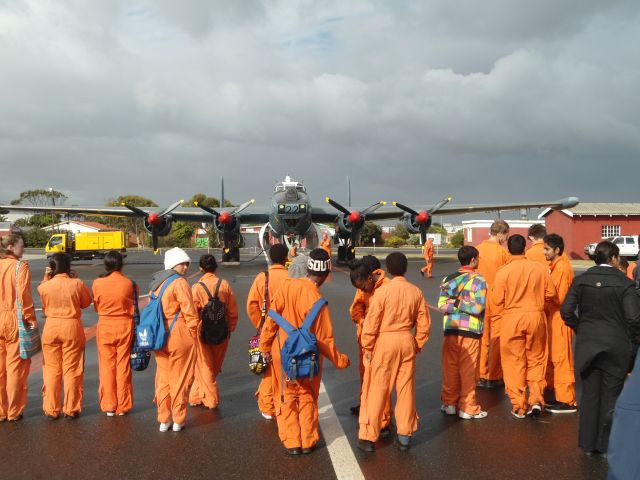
76 226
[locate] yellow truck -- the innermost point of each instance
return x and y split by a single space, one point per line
86 245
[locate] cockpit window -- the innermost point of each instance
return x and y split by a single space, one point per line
279 188
301 188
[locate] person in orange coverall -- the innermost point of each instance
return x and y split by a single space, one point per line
296 401
113 297
63 339
14 370
390 349
427 252
560 373
326 243
492 257
256 302
175 361
366 276
535 252
521 290
209 358
462 300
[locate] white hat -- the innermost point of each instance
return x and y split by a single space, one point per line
175 256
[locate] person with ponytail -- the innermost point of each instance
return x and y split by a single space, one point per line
15 292
63 298
113 299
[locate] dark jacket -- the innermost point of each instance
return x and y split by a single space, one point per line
602 308
624 461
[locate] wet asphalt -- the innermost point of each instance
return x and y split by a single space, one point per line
235 442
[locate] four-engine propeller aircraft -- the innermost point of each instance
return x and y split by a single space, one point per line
290 218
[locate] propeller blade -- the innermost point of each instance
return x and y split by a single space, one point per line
373 208
154 239
423 233
337 206
136 210
170 208
404 208
439 205
207 209
244 206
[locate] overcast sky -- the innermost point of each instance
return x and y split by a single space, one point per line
500 100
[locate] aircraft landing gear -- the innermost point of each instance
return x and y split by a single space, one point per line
345 254
231 255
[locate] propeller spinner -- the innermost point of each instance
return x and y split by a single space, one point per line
154 219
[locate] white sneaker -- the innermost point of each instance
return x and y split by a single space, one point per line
518 415
111 414
122 414
178 426
164 427
265 416
466 416
448 409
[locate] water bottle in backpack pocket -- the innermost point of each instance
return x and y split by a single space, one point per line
215 329
151 333
300 354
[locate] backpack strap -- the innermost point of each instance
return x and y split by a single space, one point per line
18 304
286 326
207 290
215 295
168 282
313 313
174 321
265 300
136 310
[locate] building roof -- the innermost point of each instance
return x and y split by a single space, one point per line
92 225
608 209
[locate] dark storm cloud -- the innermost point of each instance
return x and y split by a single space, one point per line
414 100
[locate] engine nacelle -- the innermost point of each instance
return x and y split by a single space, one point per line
411 224
344 227
163 228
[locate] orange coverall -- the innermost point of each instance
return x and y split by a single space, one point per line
560 373
176 360
492 257
536 253
113 301
14 371
427 251
63 340
358 312
390 348
521 290
630 269
209 358
297 403
326 244
277 274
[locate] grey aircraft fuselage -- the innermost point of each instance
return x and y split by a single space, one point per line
290 212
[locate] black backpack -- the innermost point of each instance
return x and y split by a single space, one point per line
215 329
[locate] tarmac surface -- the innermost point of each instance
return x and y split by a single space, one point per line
234 441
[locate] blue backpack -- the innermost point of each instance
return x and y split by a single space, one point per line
300 356
151 334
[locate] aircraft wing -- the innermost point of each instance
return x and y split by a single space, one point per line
495 207
329 215
183 214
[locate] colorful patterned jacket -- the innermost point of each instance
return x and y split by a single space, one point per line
462 300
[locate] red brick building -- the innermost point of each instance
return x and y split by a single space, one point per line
476 231
591 222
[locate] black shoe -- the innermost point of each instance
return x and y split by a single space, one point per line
294 451
421 273
483 383
385 432
366 446
73 416
403 442
17 419
534 411
562 408
495 383
307 451
355 410
51 417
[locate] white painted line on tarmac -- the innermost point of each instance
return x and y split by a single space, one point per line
344 461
